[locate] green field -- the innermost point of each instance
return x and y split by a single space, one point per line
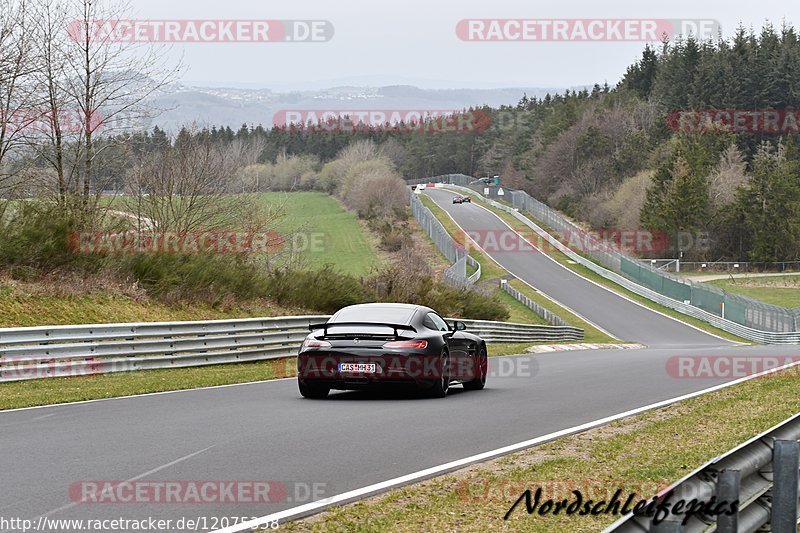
778 290
324 232
318 229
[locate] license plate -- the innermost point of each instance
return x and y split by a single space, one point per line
361 368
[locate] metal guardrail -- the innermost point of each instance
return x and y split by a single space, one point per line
755 314
422 213
763 337
475 276
548 315
762 474
491 331
60 351
456 274
63 351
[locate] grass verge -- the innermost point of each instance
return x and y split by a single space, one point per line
590 332
777 290
73 389
326 233
517 312
32 304
321 230
492 271
641 454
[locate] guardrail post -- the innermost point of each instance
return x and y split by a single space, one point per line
728 490
785 456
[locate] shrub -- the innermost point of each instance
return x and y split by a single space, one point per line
36 236
191 277
404 283
325 290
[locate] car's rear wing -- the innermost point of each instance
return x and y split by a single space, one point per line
396 327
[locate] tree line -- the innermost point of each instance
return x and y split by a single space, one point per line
608 156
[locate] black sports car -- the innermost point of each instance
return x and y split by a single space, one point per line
466 199
382 344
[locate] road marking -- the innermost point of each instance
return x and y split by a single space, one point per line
134 478
141 395
376 488
546 348
164 392
608 288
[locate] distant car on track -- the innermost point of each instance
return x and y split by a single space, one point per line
384 344
458 200
466 199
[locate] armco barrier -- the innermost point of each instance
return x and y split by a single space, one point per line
762 474
61 351
548 315
456 274
745 311
764 337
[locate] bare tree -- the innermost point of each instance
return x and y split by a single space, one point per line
50 74
727 176
16 114
91 77
186 188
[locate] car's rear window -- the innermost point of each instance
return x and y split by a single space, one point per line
387 315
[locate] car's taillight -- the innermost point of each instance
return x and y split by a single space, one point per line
314 343
414 345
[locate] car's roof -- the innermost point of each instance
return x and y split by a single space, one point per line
373 311
388 304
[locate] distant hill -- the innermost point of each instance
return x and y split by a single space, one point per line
218 106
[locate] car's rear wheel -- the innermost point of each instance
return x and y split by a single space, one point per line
482 369
442 384
309 390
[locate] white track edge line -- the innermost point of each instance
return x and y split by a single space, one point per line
356 494
129 396
478 246
610 289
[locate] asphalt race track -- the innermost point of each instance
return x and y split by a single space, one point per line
266 431
620 317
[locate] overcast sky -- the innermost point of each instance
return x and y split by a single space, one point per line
414 41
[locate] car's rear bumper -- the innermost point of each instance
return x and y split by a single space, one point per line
390 369
367 384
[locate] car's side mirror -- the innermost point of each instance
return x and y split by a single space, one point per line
459 326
